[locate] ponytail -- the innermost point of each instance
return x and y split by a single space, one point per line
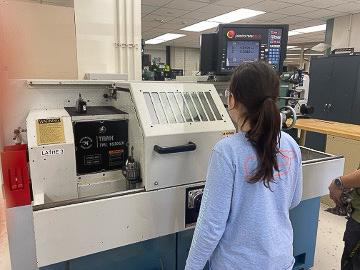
256 86
264 137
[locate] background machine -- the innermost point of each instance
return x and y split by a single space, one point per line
296 85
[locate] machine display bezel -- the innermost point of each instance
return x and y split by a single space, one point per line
222 43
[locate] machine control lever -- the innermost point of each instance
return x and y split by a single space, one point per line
175 149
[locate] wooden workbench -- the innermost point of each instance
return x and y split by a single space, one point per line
342 130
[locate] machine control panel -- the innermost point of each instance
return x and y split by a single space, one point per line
234 44
100 145
193 203
249 45
101 139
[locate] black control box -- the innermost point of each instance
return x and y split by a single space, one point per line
100 145
193 202
233 44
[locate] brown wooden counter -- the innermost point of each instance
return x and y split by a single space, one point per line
337 129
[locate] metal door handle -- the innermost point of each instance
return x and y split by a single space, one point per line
175 149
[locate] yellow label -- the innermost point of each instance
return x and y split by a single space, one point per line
50 131
228 133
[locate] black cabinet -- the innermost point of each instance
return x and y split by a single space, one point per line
343 89
334 92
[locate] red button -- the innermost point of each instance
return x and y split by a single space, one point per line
230 34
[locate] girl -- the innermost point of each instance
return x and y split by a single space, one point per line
253 180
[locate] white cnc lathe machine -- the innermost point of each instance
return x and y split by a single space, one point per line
119 186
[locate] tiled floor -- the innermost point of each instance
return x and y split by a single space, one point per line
328 250
329 243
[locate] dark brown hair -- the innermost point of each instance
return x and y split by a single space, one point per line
256 86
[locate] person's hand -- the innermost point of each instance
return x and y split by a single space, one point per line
335 192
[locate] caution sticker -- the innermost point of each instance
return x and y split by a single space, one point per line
228 133
50 131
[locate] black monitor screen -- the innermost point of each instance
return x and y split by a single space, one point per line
242 51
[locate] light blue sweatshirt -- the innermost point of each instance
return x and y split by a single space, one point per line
246 226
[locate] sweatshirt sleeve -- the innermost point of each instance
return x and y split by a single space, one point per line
214 211
299 182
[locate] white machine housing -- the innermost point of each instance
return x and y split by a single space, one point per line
303 92
51 182
54 176
169 129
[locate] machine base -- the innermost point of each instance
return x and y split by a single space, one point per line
170 252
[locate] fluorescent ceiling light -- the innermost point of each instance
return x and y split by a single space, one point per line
233 16
307 30
291 47
201 26
236 15
164 38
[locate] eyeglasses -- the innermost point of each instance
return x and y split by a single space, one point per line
227 93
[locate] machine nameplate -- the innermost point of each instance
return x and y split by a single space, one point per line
50 131
52 152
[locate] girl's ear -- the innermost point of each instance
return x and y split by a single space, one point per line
231 102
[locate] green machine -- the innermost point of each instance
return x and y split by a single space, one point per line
284 87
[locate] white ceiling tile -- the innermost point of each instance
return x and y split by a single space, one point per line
148 35
306 24
171 26
322 14
196 15
215 10
269 5
185 5
170 12
293 1
145 9
296 10
352 7
167 28
308 38
205 1
156 3
263 19
237 3
151 24
269 17
183 21
155 17
322 3
291 20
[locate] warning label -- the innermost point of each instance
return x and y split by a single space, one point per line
50 131
228 133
